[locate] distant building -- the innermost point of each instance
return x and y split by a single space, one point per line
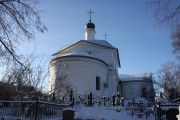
135 85
91 65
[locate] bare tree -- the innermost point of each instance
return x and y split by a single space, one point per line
176 40
7 91
62 86
169 79
167 12
18 18
59 82
26 81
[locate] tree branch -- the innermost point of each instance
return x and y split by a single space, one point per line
11 53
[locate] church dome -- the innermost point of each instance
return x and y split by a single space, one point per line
90 25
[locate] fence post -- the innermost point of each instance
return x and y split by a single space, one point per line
53 97
37 109
132 112
71 96
90 99
73 102
159 111
104 99
88 104
113 97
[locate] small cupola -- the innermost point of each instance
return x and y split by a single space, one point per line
90 25
90 32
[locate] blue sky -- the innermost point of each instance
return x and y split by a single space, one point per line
143 44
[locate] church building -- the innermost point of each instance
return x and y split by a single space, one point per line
89 65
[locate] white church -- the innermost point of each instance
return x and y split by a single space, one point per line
91 65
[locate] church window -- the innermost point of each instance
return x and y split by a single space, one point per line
98 85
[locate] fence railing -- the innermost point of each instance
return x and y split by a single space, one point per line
163 110
31 110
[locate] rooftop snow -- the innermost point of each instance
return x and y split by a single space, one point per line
77 53
101 42
97 42
133 77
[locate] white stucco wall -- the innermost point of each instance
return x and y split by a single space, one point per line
107 55
132 89
113 82
81 74
91 60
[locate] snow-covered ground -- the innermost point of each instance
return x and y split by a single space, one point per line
107 113
98 113
101 113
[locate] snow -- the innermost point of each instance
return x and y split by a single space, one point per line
99 113
97 42
178 116
101 42
77 53
104 113
133 77
107 113
9 118
18 118
161 100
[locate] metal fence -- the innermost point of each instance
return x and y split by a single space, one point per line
31 110
166 111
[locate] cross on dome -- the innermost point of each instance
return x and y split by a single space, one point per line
90 14
90 24
105 36
90 32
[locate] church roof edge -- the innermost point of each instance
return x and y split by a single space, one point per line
96 42
102 43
